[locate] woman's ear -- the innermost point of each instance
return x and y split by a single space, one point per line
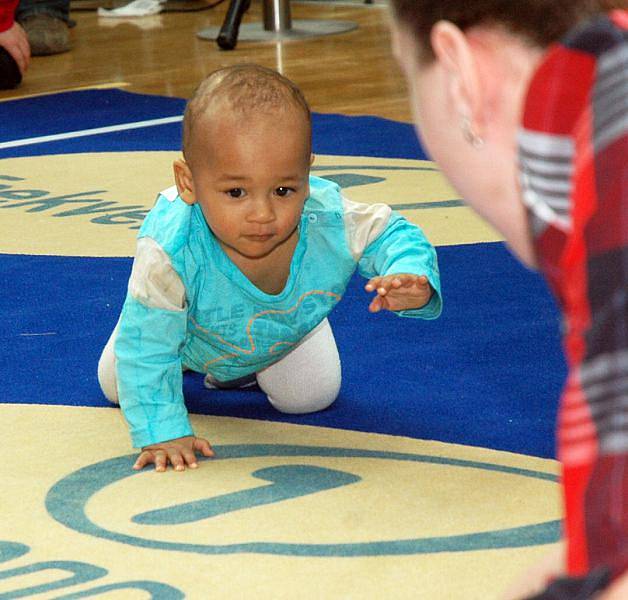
183 180
457 57
312 158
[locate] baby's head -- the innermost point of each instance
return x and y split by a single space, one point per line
244 93
247 155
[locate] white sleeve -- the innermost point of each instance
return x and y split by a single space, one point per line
153 281
363 224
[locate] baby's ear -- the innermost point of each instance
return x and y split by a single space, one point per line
312 158
184 181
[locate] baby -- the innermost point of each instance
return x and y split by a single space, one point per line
239 264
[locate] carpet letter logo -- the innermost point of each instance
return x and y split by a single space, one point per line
78 573
70 204
294 480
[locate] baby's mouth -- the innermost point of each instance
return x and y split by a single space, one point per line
256 237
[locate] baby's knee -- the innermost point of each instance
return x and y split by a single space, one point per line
302 406
306 400
107 369
107 376
308 378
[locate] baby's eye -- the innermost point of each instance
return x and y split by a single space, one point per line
283 191
235 192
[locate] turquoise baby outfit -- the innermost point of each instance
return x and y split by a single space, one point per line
229 327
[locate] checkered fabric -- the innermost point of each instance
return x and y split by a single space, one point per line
573 149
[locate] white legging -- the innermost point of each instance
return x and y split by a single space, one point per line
306 380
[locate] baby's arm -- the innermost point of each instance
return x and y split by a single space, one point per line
397 258
148 363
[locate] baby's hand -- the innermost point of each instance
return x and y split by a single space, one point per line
178 452
399 292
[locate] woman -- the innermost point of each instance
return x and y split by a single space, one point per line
534 135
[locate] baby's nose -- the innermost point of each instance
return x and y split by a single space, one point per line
262 211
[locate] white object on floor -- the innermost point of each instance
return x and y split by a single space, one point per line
137 8
146 23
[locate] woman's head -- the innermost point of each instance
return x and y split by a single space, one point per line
537 22
468 64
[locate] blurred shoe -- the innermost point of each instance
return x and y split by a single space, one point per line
10 75
46 34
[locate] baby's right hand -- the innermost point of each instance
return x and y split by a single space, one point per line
178 452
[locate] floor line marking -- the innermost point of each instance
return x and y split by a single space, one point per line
87 132
79 88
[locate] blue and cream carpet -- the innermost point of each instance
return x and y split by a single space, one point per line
430 477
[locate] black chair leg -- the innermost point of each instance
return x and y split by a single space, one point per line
228 35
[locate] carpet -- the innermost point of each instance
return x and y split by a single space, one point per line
432 476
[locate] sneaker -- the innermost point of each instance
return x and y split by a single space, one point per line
211 383
46 34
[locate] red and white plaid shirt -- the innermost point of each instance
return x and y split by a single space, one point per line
573 150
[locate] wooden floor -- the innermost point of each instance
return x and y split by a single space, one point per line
351 73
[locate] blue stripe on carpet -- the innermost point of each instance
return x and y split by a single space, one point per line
75 111
487 373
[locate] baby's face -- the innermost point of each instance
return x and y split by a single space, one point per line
251 178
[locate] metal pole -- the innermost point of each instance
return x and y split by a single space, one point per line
277 25
277 16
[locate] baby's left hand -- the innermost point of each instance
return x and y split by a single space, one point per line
399 292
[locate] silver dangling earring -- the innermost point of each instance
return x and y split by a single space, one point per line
469 135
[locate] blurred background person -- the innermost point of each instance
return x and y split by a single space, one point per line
14 47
